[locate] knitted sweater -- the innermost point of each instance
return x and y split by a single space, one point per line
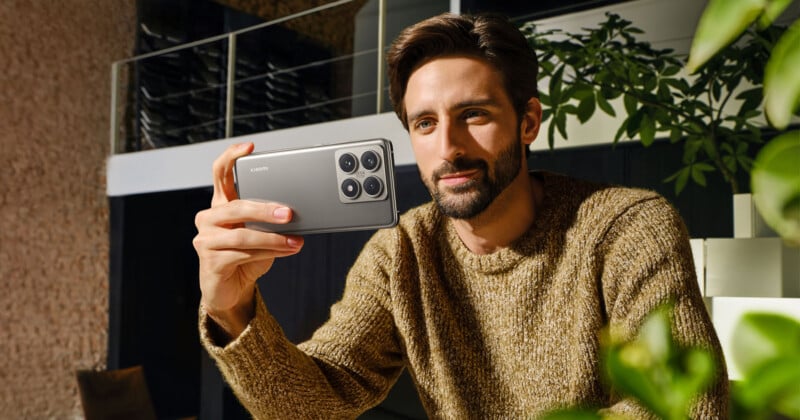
511 334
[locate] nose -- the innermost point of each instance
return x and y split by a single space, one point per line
450 141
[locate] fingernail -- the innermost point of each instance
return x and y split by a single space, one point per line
281 213
293 242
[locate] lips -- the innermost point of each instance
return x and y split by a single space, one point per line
457 178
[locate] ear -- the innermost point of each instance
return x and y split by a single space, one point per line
531 120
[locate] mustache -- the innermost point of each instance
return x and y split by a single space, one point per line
458 165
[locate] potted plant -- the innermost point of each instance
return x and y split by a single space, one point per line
591 70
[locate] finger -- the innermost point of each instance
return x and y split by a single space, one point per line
222 172
246 239
228 259
234 213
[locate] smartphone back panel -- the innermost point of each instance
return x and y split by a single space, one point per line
330 188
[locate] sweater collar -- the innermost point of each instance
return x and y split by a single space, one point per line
505 259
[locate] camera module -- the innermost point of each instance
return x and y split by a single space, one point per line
350 188
370 160
348 163
373 186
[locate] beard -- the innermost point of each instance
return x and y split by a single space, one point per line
471 198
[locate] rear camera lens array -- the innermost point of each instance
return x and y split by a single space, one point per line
372 185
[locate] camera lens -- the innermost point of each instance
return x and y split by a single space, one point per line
373 186
370 160
348 163
350 188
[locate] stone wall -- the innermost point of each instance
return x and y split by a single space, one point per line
55 61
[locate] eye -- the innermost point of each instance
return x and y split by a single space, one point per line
474 115
424 125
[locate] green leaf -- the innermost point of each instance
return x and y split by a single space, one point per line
751 100
605 105
722 21
675 135
761 337
670 71
635 123
773 9
586 109
582 91
664 93
663 376
555 86
772 386
630 104
551 133
568 109
626 368
547 113
647 130
716 89
560 120
650 82
545 99
690 149
730 162
621 130
781 80
681 178
547 66
697 174
775 182
609 92
655 334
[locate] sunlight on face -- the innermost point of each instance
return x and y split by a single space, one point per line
464 132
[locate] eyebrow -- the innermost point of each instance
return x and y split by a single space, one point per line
461 105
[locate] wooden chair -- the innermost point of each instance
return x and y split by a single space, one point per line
115 394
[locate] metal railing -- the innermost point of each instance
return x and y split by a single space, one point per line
209 99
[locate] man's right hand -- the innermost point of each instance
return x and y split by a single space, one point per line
233 257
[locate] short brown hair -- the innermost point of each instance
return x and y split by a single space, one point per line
488 37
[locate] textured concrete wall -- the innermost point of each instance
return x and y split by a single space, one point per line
54 95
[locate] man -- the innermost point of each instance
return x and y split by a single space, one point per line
492 295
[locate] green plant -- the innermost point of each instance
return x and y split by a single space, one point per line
664 377
766 347
652 368
588 70
775 178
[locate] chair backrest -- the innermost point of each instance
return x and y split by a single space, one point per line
115 394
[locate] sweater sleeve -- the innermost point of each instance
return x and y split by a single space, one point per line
348 365
648 262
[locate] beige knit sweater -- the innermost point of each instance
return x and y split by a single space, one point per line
507 335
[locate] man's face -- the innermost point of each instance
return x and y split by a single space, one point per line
464 132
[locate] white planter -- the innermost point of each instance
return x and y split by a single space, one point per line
755 262
754 267
747 221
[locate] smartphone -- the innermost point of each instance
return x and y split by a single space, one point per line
330 188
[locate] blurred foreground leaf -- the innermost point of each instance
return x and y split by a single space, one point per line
767 350
652 368
776 185
782 78
721 22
